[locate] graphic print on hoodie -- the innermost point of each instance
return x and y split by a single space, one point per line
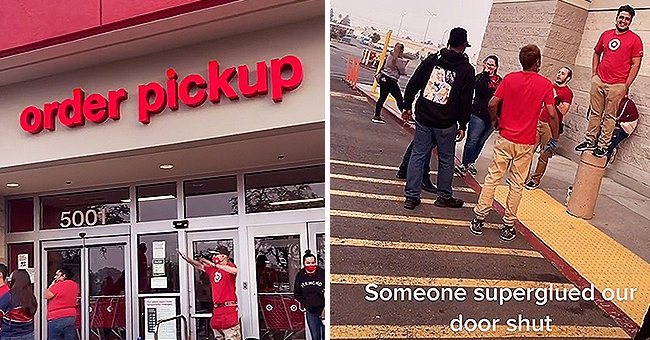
439 85
445 82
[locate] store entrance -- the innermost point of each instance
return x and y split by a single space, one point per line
278 258
98 266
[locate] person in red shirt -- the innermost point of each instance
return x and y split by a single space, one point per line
520 95
62 306
223 275
4 273
563 99
615 65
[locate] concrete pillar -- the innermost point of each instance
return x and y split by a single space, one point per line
555 26
586 186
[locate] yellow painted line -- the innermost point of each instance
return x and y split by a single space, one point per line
346 95
385 181
353 279
597 257
385 197
444 331
335 241
411 219
371 166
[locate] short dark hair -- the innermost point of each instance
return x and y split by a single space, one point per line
67 272
4 271
569 71
626 8
529 55
493 57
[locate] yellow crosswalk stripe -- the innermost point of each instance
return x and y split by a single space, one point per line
410 219
335 241
371 166
385 181
359 279
444 331
385 197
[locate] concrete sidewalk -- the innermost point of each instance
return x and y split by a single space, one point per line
621 213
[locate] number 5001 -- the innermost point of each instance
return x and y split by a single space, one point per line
78 218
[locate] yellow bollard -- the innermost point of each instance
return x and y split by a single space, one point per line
586 186
382 57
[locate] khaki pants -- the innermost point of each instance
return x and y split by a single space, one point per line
604 104
231 333
543 136
507 155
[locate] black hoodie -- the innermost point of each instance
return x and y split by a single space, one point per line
309 289
445 81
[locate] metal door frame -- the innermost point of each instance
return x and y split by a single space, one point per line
212 235
84 244
284 229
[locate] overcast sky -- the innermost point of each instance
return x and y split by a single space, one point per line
470 14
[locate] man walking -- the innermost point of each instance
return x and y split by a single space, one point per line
521 94
612 75
563 99
445 82
222 274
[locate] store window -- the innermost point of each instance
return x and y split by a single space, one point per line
290 189
86 209
157 202
21 256
158 263
211 197
21 215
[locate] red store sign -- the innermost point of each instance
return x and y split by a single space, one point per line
193 90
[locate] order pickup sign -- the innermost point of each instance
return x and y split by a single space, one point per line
192 90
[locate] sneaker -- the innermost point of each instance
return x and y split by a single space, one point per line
584 146
378 120
460 170
471 168
599 152
612 157
429 187
411 202
449 202
401 175
508 233
509 181
476 226
531 185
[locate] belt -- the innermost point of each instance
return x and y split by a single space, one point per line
225 304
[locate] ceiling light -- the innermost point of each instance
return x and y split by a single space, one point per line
13 185
280 156
166 166
308 200
151 198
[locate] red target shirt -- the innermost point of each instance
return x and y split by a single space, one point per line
617 53
222 283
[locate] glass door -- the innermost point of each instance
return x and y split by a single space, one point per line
316 232
278 258
201 245
99 267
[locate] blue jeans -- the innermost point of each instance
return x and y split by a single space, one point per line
423 141
407 158
63 328
478 132
316 327
617 137
19 337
